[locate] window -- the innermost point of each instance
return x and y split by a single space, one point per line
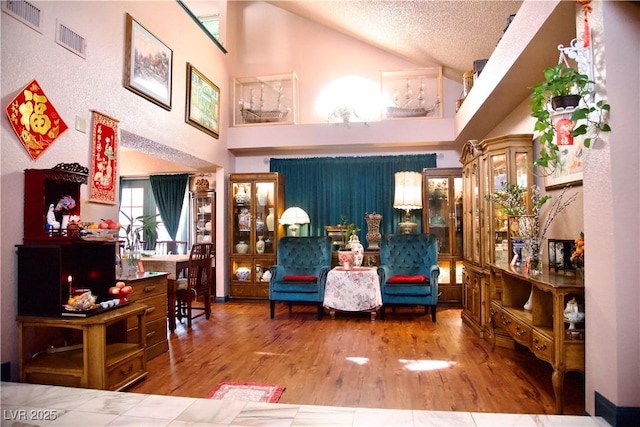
137 200
350 99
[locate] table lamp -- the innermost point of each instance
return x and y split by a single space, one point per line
293 217
408 196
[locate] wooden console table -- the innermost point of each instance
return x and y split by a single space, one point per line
542 330
90 352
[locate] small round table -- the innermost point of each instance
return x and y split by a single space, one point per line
353 289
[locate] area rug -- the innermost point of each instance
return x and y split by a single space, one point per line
247 392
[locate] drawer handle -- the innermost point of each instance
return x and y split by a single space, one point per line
150 310
520 332
505 321
128 371
539 347
150 334
493 312
148 289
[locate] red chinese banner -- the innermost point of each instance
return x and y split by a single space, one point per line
34 119
104 159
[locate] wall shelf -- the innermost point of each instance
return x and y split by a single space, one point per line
526 48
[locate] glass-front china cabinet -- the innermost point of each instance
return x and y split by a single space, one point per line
256 202
203 216
487 166
442 216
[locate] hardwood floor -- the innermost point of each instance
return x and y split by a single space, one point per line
402 362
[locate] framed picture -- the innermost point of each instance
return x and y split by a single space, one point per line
148 65
203 102
568 170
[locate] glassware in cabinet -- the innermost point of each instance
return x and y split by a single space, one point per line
203 216
442 217
257 201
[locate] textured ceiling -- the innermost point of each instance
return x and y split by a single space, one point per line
429 33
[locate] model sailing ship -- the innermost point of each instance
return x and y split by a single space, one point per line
260 115
420 110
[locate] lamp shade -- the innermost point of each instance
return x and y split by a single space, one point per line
408 190
293 217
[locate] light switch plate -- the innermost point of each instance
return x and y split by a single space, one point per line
81 124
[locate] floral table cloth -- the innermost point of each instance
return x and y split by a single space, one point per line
355 289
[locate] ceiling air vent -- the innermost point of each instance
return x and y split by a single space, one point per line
71 40
24 12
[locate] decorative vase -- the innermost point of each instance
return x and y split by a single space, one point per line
269 220
244 220
346 258
533 249
357 249
263 195
241 195
572 313
243 273
130 263
260 245
373 230
259 224
242 247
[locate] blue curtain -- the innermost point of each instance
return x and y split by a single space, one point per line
328 188
168 191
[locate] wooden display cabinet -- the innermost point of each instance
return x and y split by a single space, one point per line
442 217
203 216
487 165
256 203
543 329
43 188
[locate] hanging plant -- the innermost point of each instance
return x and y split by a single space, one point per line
565 90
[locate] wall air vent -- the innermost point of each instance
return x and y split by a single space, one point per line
71 40
24 12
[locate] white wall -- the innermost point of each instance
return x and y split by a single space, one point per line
75 86
612 201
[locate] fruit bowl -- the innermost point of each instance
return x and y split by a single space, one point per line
99 234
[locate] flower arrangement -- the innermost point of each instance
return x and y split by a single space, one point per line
66 203
577 256
510 199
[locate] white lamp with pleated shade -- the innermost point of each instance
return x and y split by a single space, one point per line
408 196
293 217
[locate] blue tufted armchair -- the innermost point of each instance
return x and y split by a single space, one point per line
409 271
301 271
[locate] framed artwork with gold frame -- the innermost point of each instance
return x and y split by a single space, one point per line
148 65
203 102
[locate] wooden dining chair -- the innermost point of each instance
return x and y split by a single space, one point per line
166 247
198 283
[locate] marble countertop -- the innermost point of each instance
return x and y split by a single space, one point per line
40 405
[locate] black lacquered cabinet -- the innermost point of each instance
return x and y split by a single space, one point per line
44 272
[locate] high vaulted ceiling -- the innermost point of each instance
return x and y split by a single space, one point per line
429 33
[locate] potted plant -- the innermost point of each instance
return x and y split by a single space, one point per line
143 225
565 89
